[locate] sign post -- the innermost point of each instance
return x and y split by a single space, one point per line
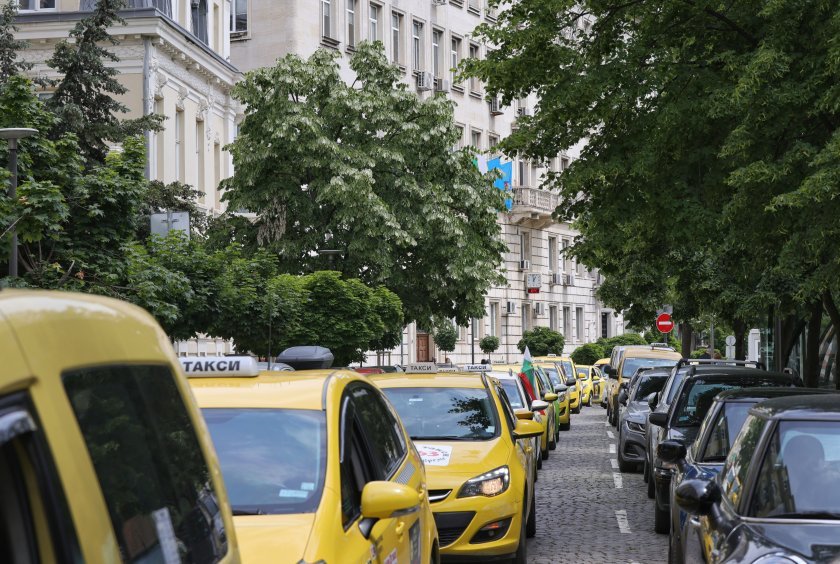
664 324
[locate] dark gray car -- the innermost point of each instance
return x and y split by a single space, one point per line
635 407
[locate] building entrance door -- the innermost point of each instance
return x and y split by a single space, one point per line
423 347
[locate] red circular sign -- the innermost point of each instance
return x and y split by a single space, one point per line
664 323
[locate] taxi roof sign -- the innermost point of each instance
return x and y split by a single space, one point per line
219 366
478 367
421 368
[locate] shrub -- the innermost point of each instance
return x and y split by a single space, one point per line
542 341
588 354
488 344
445 336
620 340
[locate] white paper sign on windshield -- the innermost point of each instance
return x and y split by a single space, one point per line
434 455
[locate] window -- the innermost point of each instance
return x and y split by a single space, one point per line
351 23
326 18
385 438
494 319
460 413
579 268
37 5
579 323
737 465
552 254
396 37
729 421
199 158
552 318
460 129
567 322
355 464
199 20
217 172
156 485
564 163
526 317
180 155
475 139
525 246
564 256
454 57
437 37
605 324
239 17
373 23
493 142
475 85
417 46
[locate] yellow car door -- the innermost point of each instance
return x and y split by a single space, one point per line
379 452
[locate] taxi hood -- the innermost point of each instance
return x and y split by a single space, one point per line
262 537
463 459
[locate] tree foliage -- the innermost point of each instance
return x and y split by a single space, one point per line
610 343
488 344
542 341
84 99
367 169
445 335
10 46
588 354
710 175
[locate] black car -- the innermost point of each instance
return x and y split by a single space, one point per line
776 499
706 456
691 403
635 407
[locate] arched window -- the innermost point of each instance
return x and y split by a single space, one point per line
199 19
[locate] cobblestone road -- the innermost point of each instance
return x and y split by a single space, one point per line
580 502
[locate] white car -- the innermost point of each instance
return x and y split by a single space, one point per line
518 398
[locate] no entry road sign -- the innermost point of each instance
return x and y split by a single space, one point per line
664 323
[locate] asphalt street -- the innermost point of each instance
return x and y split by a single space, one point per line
587 510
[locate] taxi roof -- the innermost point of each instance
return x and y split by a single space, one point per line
433 380
546 358
648 351
303 389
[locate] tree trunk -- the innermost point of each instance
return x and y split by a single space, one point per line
812 346
834 315
686 334
791 328
740 328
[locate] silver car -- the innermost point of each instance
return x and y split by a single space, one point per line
518 398
635 406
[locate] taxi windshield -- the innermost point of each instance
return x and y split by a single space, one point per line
446 414
567 367
553 376
272 460
632 364
512 391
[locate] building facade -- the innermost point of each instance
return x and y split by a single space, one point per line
174 61
427 39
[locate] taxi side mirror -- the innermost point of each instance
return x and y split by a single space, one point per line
560 388
523 413
658 418
383 500
550 397
526 429
538 405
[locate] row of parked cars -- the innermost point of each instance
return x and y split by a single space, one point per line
743 464
114 450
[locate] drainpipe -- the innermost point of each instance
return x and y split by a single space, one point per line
147 101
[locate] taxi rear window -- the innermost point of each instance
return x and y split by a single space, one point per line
150 466
273 460
512 391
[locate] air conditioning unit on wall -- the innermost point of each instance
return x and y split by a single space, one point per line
441 85
510 308
425 81
556 278
539 309
496 106
524 265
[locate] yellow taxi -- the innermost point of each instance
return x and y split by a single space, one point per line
584 377
599 383
605 381
575 391
480 474
562 389
627 359
545 392
104 456
317 465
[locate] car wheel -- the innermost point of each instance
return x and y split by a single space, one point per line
651 485
521 556
539 462
552 444
674 556
645 471
661 518
544 454
624 466
577 409
531 523
565 426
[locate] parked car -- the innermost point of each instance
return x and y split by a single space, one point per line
545 392
776 498
635 409
707 454
682 421
563 390
629 359
523 408
584 376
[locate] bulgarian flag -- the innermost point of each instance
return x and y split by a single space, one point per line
527 375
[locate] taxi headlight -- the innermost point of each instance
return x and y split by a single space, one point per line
489 484
562 397
634 426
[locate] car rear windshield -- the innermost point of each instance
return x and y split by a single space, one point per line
632 364
697 396
272 460
512 391
648 385
454 414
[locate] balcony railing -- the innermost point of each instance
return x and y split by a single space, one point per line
164 6
533 200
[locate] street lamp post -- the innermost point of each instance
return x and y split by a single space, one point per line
12 135
330 254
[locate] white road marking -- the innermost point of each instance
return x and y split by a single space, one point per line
623 523
610 434
612 448
618 481
614 463
606 423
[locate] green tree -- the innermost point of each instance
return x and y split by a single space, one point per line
368 169
84 99
445 335
588 354
542 341
488 344
10 46
620 340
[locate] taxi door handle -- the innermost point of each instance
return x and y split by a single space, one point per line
400 528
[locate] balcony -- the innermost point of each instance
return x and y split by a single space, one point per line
164 6
533 206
